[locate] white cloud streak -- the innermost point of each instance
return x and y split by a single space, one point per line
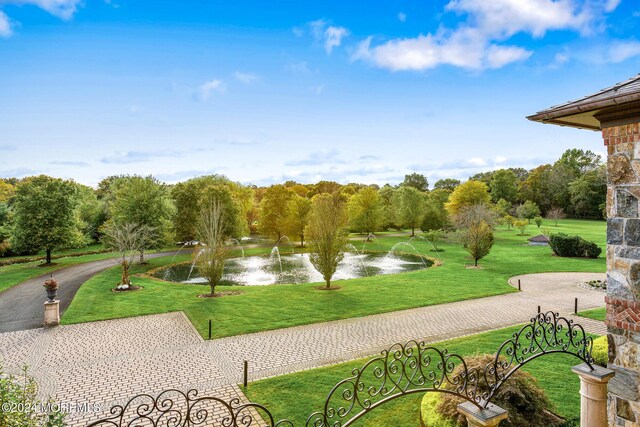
246 78
6 29
205 90
478 42
331 36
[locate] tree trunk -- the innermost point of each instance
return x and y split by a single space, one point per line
328 283
142 256
48 256
302 240
125 274
213 288
476 262
413 231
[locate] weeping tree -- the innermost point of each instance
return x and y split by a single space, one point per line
216 224
326 234
128 240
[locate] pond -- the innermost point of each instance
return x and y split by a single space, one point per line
296 268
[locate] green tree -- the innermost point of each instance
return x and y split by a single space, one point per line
538 221
274 211
435 215
435 237
528 210
588 192
504 185
217 222
143 201
409 207
45 217
580 161
448 184
386 196
468 194
503 208
536 187
478 240
521 224
188 198
327 235
417 181
299 210
366 212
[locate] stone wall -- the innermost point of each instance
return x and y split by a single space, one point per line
623 271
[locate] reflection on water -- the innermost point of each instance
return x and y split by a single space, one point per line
260 270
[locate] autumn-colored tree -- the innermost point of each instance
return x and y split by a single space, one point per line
468 194
521 224
366 212
298 216
274 211
7 190
478 240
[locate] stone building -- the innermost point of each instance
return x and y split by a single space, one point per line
615 112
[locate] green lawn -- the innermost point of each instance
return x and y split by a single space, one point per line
278 306
297 395
11 275
596 313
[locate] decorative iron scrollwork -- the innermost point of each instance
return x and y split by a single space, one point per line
547 333
403 369
173 408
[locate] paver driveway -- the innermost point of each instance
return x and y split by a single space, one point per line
103 362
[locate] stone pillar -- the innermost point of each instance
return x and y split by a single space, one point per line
593 392
623 269
51 313
477 417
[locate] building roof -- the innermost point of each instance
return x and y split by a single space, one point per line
622 99
541 238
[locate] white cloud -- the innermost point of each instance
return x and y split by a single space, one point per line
623 50
611 5
5 25
402 17
476 161
331 36
246 78
478 42
205 90
64 9
501 159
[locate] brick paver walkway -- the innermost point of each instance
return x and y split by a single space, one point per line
110 361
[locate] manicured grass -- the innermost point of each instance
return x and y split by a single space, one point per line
11 275
297 395
596 313
278 306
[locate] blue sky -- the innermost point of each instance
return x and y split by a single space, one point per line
268 91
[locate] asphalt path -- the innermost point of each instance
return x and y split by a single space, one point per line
22 306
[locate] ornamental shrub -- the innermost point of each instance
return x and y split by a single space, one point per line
600 351
527 403
19 403
573 246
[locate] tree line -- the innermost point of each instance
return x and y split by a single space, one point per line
47 214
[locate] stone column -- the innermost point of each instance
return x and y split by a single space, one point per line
477 417
623 268
51 313
593 392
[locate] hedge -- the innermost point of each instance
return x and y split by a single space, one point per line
573 246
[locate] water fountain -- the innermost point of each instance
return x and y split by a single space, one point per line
237 242
275 254
413 248
429 242
288 240
368 239
279 268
